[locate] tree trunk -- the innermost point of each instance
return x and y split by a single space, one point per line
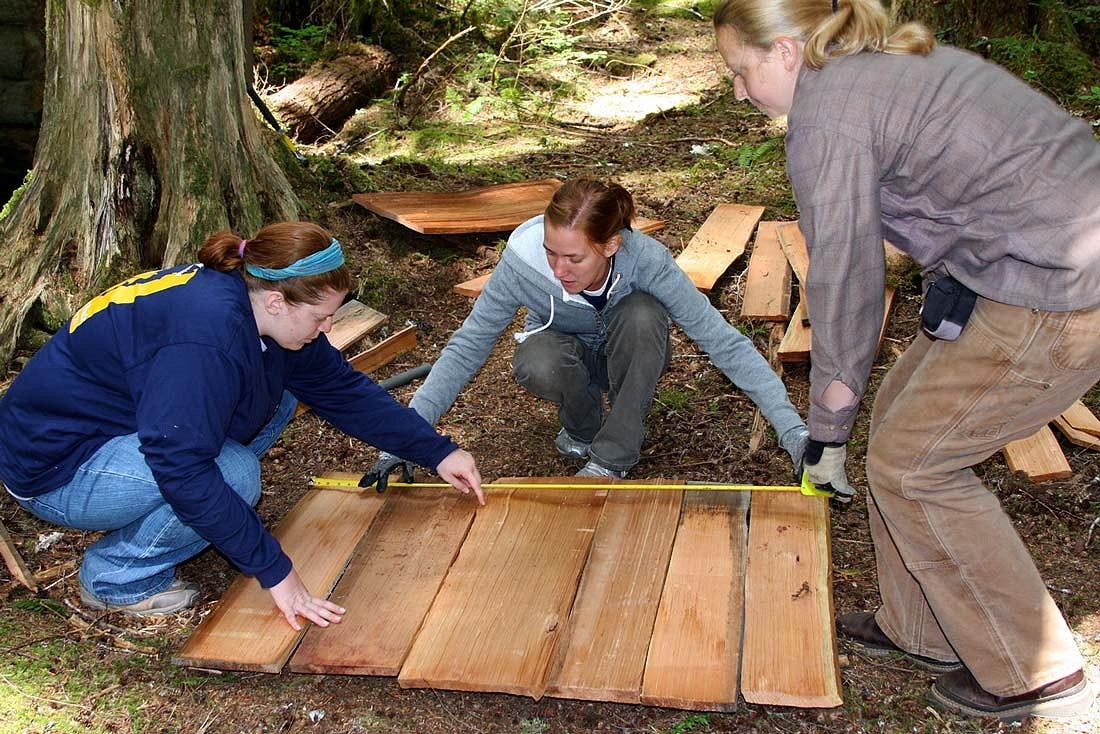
322 100
961 22
148 144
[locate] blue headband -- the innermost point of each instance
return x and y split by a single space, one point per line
322 261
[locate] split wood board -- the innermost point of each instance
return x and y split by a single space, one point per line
351 322
789 605
767 293
496 208
602 654
389 584
246 631
693 655
795 346
794 247
1080 417
472 288
377 356
384 351
718 243
1039 456
1076 436
797 341
504 603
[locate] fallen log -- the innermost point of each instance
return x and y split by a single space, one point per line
332 90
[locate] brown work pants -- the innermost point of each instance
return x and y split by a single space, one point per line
956 580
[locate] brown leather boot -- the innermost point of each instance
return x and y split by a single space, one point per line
1063 698
863 631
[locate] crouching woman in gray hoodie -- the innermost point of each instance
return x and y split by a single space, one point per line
599 296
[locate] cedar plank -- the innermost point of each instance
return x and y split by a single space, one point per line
351 322
789 656
1039 456
246 631
1080 417
693 656
601 656
718 243
1076 436
794 247
384 351
389 585
767 293
503 604
496 208
795 346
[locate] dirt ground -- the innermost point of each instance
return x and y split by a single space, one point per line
627 129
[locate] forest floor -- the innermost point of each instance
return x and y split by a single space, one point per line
672 133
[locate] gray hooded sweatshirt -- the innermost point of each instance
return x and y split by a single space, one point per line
524 278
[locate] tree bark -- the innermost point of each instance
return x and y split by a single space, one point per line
323 100
961 22
148 144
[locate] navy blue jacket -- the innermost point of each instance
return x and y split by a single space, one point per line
175 356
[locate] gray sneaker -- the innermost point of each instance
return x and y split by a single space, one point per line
569 446
178 596
592 469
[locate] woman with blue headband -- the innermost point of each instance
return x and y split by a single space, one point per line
146 415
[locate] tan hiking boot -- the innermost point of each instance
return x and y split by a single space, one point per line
178 596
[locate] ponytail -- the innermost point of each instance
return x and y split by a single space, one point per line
828 28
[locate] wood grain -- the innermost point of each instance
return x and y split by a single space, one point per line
1080 417
351 322
504 603
389 585
497 208
767 293
246 631
789 654
693 655
718 243
1039 456
794 247
602 654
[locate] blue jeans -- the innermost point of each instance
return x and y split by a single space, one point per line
114 490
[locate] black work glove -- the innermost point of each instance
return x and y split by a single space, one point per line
824 465
378 475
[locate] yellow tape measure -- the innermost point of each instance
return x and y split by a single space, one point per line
807 487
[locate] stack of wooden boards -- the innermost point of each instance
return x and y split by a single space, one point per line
653 596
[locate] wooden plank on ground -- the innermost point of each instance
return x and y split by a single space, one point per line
794 247
601 656
14 561
472 287
1076 436
720 241
693 656
789 654
377 356
1080 417
496 208
795 346
385 351
246 631
1039 456
797 340
352 322
768 278
389 585
503 605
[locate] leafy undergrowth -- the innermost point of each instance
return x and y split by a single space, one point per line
62 670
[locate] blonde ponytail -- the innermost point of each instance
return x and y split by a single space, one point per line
854 27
